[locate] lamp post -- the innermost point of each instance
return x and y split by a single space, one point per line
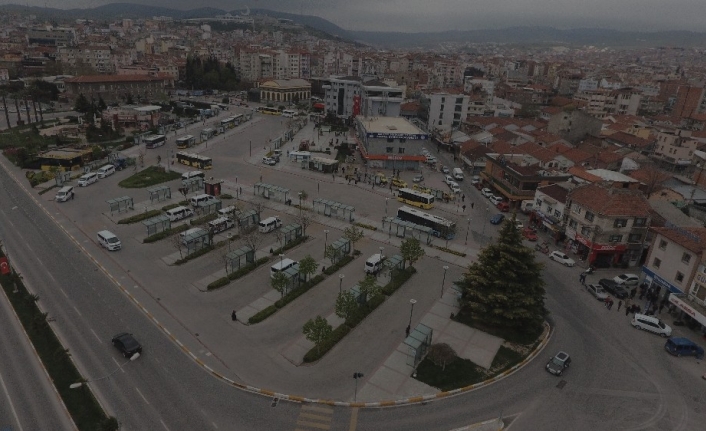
412 302
281 256
230 238
381 249
386 200
340 283
79 384
300 203
356 376
325 240
468 229
443 280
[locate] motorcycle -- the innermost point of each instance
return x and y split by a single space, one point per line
543 247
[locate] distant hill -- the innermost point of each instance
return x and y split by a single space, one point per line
513 35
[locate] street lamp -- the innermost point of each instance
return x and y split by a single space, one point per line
356 376
230 238
340 283
411 301
381 249
443 280
468 229
79 384
300 203
325 240
386 200
281 256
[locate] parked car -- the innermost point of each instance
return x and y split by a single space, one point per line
418 178
503 206
475 179
448 179
558 256
529 234
269 161
558 363
597 291
651 324
445 169
497 219
614 288
126 344
487 192
495 200
519 224
627 279
679 346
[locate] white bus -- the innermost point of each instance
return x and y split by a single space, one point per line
416 198
185 141
154 141
228 122
441 227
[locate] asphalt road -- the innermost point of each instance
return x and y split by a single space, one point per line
620 378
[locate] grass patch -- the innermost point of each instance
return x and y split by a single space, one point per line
140 217
165 234
365 226
81 404
457 374
448 250
170 207
523 336
150 176
505 359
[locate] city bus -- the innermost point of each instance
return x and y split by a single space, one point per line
268 110
416 198
289 113
196 160
154 141
237 119
441 227
228 122
185 141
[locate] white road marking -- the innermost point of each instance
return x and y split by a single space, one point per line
96 335
12 406
143 397
164 425
78 312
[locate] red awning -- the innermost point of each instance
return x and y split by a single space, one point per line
318 106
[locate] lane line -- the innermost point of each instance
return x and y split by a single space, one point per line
354 419
143 397
9 400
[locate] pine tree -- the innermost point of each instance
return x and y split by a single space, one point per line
504 287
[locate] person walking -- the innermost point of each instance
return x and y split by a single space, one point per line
582 278
233 317
472 205
633 292
620 304
606 301
610 304
464 208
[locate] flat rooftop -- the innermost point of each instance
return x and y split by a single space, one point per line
389 125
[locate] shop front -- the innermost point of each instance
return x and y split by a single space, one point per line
546 223
598 255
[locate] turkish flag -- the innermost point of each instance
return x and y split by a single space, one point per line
4 266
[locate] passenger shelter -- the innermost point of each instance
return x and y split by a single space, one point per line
157 224
120 204
236 259
333 209
269 191
160 193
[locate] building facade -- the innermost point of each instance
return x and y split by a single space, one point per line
285 91
447 110
390 142
114 88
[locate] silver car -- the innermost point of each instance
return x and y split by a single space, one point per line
597 291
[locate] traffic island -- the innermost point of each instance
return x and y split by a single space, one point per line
150 176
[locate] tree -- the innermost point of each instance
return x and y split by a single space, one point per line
307 267
332 253
346 305
653 177
304 220
411 250
279 282
369 288
176 243
353 234
252 239
82 104
504 287
317 330
441 354
101 106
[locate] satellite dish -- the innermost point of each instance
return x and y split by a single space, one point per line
247 11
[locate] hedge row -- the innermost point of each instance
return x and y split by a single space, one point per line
448 250
139 217
165 234
203 220
223 281
290 245
169 207
317 352
365 226
286 299
194 255
345 260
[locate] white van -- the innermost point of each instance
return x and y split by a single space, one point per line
458 174
374 263
651 324
220 224
228 211
179 213
288 113
192 174
283 265
105 171
200 200
108 240
188 232
269 224
87 179
64 194
527 206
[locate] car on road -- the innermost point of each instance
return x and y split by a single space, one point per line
126 344
529 234
651 324
487 192
448 179
614 288
597 291
558 256
418 178
627 279
680 346
475 179
495 199
445 169
396 182
497 219
503 206
269 161
558 363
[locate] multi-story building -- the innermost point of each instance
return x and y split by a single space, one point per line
113 88
675 148
549 206
606 224
285 90
97 57
51 36
378 98
348 96
446 109
343 96
390 142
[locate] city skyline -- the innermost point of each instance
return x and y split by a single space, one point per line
419 16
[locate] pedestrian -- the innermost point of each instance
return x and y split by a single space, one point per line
464 208
233 317
633 292
606 301
407 331
471 205
582 278
610 304
628 309
620 304
463 198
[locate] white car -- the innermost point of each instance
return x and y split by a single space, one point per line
560 257
627 279
495 199
418 178
475 180
519 224
269 161
487 192
448 179
455 188
445 169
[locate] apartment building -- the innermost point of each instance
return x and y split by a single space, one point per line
348 96
390 142
97 57
446 110
51 36
674 148
549 207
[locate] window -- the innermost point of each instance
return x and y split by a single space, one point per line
573 224
686 258
620 222
662 244
549 210
401 150
679 277
640 222
589 216
538 203
634 237
615 238
585 230
389 149
403 140
390 140
656 263
557 213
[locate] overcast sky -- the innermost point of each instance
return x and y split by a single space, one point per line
436 15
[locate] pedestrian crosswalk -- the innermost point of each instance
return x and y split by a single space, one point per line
314 418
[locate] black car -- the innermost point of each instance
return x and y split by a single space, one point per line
558 363
126 344
614 288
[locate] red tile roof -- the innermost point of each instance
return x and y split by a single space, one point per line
537 151
580 172
629 140
577 156
555 191
610 201
112 78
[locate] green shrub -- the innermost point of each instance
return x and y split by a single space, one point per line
225 196
262 314
299 291
140 217
223 281
399 278
165 234
365 226
317 353
150 176
364 310
194 255
203 220
290 245
169 207
448 250
345 260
